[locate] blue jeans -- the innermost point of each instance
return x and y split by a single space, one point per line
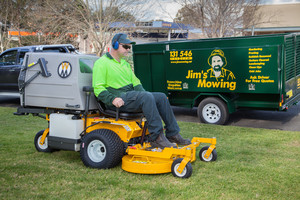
155 107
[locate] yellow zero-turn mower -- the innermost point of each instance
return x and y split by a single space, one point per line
77 122
105 141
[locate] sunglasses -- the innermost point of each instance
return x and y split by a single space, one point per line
125 46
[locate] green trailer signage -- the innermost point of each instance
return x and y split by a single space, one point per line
218 70
222 75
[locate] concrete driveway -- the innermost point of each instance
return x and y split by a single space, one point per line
9 99
288 120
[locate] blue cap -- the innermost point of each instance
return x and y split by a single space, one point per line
121 38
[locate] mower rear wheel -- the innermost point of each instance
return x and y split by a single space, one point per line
187 171
212 157
38 146
101 149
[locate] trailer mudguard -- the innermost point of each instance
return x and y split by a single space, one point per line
229 101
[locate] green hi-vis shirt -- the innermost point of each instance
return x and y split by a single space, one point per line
112 78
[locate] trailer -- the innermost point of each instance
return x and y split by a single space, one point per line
223 75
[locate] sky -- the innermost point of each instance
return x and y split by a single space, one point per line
166 9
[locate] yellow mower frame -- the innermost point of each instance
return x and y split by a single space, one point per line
101 133
142 158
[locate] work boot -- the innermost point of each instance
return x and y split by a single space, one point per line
179 140
161 142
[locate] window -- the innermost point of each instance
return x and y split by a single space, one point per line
21 57
86 65
54 49
9 58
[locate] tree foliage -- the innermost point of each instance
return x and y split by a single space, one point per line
83 18
218 18
13 15
58 21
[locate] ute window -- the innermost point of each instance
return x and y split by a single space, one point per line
86 65
21 57
54 49
9 58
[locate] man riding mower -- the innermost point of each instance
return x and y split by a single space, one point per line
111 130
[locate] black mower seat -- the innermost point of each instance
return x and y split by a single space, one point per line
122 115
111 113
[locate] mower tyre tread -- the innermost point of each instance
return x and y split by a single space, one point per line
213 156
188 170
113 144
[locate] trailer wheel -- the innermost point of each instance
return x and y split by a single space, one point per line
101 149
212 157
38 146
213 111
187 171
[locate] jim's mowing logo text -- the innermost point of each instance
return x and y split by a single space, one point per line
216 76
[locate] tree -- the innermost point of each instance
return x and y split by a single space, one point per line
51 21
86 18
218 18
4 23
13 15
65 21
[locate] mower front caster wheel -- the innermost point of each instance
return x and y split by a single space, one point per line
212 156
41 147
187 171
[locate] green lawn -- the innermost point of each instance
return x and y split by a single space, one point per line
252 164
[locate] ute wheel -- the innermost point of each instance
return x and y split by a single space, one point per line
212 157
187 171
38 146
213 111
101 149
